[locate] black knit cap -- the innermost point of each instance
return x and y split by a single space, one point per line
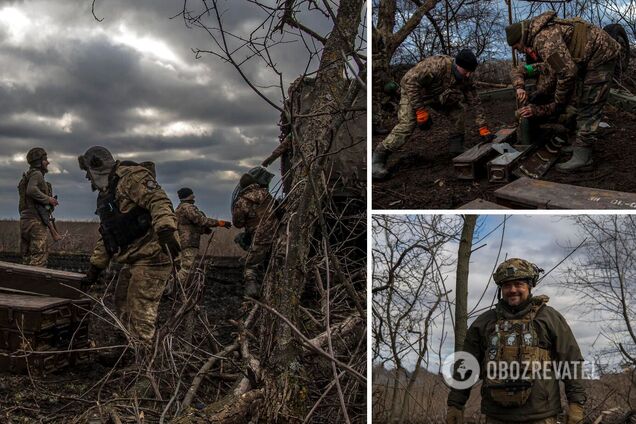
467 60
184 192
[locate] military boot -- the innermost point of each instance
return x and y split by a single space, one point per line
456 144
380 156
581 157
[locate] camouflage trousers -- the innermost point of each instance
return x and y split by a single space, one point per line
34 242
258 255
137 296
188 255
592 93
407 123
549 420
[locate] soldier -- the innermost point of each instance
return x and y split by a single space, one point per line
35 193
191 223
253 208
523 329
438 82
138 228
582 56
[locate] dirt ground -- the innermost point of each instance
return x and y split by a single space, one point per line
423 176
63 396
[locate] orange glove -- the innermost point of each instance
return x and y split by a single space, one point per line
485 134
226 224
484 131
423 119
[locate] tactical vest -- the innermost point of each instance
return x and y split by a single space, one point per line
118 229
25 202
577 43
514 340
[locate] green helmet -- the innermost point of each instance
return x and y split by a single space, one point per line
517 269
35 156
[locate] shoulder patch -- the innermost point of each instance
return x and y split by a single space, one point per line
152 185
556 62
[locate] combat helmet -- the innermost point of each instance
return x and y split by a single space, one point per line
35 156
517 269
257 175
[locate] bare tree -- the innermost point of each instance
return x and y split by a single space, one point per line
408 294
461 285
604 276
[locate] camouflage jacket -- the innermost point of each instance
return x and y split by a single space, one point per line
546 80
36 192
432 80
252 205
192 223
137 187
553 334
555 41
546 84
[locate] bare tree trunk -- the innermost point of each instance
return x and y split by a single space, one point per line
285 378
461 285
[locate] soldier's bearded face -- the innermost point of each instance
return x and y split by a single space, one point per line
515 292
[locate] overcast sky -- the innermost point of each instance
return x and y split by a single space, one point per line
132 84
542 239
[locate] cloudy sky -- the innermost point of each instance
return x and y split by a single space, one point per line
542 239
131 83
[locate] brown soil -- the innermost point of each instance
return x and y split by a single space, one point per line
423 176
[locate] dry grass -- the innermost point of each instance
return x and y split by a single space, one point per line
610 397
81 236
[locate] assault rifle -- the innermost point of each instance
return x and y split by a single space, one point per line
46 215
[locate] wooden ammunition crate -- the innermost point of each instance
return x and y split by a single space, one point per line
31 279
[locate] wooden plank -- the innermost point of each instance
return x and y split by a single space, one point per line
539 194
45 281
481 204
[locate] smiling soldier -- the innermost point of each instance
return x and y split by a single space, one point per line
521 329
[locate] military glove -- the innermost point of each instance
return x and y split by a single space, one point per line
576 414
91 277
485 134
224 224
454 415
424 120
168 242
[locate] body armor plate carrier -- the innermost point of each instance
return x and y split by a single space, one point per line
515 340
119 230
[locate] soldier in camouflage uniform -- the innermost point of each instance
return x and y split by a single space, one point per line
522 328
138 229
191 223
34 193
441 83
253 208
583 57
